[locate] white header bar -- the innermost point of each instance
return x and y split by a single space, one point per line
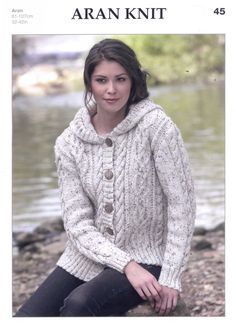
106 17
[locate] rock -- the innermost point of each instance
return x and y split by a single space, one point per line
32 248
45 231
202 244
199 231
27 256
145 310
219 227
197 309
22 239
49 227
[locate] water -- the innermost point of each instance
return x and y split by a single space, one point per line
197 110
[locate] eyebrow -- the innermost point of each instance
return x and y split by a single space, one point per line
118 75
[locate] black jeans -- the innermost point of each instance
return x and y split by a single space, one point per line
61 294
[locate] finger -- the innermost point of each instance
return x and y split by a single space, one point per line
158 305
158 288
154 292
141 294
169 305
148 294
175 301
158 299
163 305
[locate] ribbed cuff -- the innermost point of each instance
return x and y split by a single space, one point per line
119 263
170 277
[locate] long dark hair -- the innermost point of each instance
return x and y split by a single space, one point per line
116 50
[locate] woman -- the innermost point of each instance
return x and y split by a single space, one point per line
127 198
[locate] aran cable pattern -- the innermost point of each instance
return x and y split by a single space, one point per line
128 195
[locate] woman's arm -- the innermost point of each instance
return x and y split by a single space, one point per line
172 167
78 214
173 171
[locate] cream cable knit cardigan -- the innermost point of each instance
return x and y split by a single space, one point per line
126 196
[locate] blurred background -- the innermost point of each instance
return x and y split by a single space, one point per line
186 78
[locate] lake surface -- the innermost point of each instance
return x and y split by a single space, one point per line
198 110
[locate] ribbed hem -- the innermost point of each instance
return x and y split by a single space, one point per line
171 278
85 268
79 266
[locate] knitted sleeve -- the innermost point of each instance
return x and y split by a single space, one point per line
78 214
173 170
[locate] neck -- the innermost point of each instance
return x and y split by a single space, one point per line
105 122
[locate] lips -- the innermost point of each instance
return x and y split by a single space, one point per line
111 99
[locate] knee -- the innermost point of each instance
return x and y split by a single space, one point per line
77 305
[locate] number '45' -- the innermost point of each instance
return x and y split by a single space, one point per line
219 11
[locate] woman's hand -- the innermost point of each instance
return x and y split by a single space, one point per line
144 283
162 298
168 300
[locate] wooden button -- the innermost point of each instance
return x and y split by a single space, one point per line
108 207
108 174
108 142
110 231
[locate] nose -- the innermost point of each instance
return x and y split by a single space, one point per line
111 87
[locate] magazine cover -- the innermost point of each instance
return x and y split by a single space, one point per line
116 123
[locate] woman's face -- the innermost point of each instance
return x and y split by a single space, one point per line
110 86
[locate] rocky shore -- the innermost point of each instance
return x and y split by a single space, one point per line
36 253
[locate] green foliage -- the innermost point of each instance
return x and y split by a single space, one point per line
179 58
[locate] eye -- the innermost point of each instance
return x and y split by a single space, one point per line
121 79
101 80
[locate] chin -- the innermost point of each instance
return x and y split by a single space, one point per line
113 108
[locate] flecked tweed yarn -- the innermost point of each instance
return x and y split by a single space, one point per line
127 195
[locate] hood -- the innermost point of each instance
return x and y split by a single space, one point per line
82 127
